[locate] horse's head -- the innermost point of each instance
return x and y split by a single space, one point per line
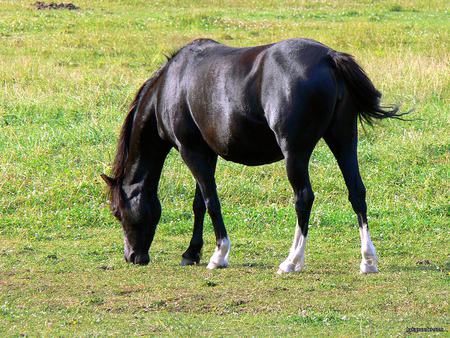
138 221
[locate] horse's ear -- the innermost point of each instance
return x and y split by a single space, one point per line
108 180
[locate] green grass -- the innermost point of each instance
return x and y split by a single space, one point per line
66 80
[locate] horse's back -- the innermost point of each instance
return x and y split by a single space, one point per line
235 98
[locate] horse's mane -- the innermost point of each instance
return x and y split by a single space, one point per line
119 164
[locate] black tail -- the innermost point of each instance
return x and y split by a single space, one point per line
365 96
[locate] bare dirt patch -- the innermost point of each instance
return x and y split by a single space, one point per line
54 5
424 262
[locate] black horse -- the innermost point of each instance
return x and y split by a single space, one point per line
252 106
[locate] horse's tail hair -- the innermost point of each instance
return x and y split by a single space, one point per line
364 96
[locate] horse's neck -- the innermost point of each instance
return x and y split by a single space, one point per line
132 169
147 152
142 173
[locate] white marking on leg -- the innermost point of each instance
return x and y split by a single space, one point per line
297 236
220 257
369 257
296 258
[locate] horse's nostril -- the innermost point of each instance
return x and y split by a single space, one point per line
132 258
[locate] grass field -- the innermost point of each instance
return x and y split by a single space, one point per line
66 80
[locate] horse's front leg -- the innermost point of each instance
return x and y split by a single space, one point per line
202 163
193 253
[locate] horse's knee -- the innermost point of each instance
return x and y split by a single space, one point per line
308 197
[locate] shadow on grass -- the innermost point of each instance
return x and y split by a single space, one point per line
255 265
417 268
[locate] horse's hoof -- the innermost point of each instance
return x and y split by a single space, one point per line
288 268
214 265
368 267
188 261
220 257
299 267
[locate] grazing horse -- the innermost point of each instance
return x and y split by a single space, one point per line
253 106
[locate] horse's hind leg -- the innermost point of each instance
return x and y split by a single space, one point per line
297 170
193 254
202 163
343 140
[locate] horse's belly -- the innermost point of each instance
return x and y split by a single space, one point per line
253 157
236 134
